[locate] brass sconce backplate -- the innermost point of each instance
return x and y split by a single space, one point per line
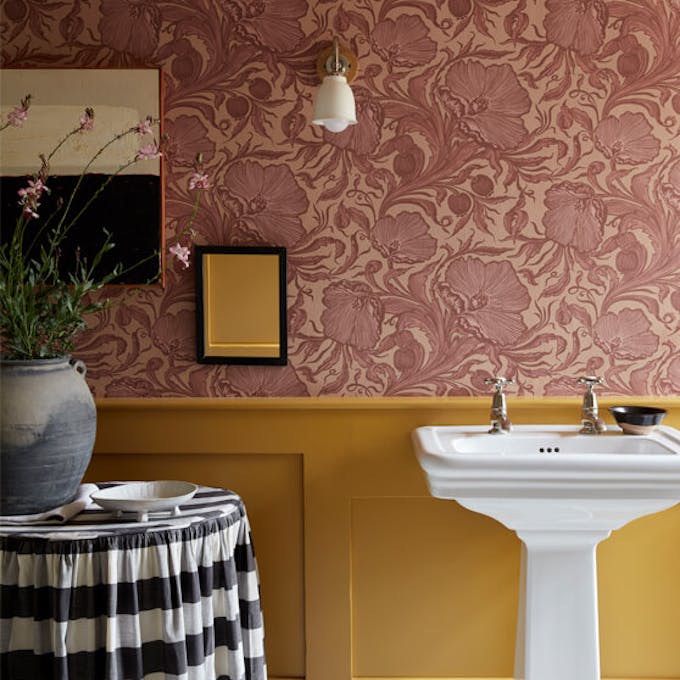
326 61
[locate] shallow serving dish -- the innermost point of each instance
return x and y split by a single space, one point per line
637 419
144 497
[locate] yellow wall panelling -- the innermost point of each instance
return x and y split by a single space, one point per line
363 574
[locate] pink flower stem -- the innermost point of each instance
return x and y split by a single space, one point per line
198 165
63 227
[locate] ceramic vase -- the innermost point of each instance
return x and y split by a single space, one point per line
48 422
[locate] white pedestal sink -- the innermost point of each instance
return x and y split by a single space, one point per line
562 493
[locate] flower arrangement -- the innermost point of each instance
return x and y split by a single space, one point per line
41 309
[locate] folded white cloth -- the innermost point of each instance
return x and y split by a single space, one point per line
58 515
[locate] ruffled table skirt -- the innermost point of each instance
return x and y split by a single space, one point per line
105 599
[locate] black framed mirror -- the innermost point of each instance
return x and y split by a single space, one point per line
241 305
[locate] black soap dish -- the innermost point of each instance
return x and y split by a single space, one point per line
637 419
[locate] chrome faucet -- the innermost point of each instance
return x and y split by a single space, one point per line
500 423
590 418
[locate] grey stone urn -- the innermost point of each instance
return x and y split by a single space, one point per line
48 422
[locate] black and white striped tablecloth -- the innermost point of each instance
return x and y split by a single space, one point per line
104 598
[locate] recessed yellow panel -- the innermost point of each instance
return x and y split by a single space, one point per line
271 488
434 589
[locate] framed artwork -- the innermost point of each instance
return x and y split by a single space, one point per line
241 305
130 207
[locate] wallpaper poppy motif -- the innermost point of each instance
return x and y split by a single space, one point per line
508 204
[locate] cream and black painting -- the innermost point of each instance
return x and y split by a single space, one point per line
99 156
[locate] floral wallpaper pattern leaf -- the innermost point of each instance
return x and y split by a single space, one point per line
509 202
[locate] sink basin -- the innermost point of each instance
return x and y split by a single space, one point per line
550 461
562 492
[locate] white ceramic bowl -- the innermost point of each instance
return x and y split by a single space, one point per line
144 497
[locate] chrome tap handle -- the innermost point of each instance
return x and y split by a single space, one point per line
590 417
499 382
590 380
589 398
500 423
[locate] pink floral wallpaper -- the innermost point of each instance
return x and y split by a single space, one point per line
508 204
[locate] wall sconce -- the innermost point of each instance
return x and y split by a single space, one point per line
335 108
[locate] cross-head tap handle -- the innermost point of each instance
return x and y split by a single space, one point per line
590 418
500 423
590 380
499 382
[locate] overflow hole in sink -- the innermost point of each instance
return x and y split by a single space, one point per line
549 449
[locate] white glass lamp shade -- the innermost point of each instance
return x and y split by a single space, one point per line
335 108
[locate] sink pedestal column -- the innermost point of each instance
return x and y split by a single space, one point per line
557 631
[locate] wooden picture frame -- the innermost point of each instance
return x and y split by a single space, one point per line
241 315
